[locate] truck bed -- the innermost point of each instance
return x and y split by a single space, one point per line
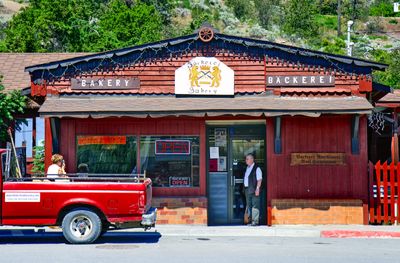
41 201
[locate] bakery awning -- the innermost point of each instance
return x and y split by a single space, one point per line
161 106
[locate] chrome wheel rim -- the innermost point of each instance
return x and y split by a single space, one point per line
81 226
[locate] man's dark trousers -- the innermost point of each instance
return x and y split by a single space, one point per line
253 206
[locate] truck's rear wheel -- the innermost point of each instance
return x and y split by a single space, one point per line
81 226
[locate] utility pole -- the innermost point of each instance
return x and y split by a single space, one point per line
349 43
339 16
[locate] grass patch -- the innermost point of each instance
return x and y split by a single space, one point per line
375 37
327 21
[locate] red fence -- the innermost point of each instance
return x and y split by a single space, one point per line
384 203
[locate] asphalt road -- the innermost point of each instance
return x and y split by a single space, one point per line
119 247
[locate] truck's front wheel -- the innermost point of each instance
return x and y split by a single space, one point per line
81 226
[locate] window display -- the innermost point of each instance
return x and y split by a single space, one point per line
170 161
106 154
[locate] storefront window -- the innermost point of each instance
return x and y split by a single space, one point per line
106 154
171 161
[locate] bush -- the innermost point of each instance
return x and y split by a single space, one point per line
327 7
374 25
242 9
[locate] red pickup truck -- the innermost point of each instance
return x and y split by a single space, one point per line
84 206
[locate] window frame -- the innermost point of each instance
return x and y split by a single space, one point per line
87 135
139 165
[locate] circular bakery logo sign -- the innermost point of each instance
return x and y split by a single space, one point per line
204 76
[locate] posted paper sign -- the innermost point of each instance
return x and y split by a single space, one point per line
214 152
222 164
22 197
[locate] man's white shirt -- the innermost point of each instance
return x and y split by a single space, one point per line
248 171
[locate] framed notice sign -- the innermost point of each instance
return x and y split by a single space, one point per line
317 159
175 181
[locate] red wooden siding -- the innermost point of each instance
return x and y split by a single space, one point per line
70 128
159 76
323 134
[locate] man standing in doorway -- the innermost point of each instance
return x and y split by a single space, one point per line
252 185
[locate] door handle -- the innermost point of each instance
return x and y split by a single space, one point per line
232 180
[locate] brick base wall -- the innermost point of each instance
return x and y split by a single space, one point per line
319 211
181 210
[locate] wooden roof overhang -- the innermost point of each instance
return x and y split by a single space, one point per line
142 106
390 100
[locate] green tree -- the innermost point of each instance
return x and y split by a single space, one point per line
269 12
391 76
82 25
123 25
38 159
48 26
11 103
355 9
300 18
382 8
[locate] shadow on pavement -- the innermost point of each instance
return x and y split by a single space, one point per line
31 237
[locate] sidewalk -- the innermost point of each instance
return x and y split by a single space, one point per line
326 231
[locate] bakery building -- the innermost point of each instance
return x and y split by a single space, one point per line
186 111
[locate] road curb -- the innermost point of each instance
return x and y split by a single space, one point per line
359 234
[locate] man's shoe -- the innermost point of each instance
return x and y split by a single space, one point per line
254 224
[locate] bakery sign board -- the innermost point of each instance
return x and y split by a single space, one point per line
204 76
317 159
301 81
104 83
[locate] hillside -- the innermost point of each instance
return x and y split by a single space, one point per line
108 24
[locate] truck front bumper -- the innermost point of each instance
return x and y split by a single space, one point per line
149 218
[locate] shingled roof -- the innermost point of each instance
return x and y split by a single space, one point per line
12 66
173 47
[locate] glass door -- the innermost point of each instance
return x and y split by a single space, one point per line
243 140
227 149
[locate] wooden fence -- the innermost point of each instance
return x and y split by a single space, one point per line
384 203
